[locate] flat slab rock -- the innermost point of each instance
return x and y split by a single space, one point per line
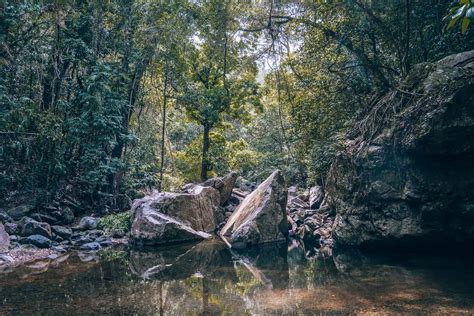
261 217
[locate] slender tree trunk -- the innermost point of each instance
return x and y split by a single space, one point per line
163 129
205 152
406 57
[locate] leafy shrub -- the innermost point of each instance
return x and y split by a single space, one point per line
114 222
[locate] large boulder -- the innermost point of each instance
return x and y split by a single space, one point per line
198 208
261 217
406 176
166 217
150 227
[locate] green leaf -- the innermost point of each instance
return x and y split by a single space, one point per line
465 25
453 21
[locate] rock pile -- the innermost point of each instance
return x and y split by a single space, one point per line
36 235
310 219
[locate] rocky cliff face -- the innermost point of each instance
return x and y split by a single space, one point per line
406 173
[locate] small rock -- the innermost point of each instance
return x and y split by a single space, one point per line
38 241
32 227
118 233
59 249
14 238
6 260
295 203
57 238
92 246
65 243
230 208
53 256
20 211
245 187
63 232
48 219
304 196
95 233
65 215
4 217
223 184
316 196
88 256
235 200
11 228
105 243
292 191
83 240
87 223
77 235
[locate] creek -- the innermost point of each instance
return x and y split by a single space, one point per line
208 278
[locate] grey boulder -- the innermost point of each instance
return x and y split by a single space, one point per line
197 208
261 217
150 227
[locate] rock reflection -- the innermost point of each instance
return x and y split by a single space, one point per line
208 278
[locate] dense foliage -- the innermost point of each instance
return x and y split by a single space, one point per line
102 101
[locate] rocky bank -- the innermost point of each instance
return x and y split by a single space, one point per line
406 174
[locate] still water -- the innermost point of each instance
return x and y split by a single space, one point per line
209 279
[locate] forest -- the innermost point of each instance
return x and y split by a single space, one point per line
216 155
103 101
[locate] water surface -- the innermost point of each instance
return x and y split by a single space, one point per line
210 279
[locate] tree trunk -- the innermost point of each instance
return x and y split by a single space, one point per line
406 56
205 152
163 129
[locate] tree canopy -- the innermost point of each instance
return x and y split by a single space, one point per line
102 101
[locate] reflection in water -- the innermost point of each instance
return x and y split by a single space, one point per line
208 278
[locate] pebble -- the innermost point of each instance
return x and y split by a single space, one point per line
6 259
